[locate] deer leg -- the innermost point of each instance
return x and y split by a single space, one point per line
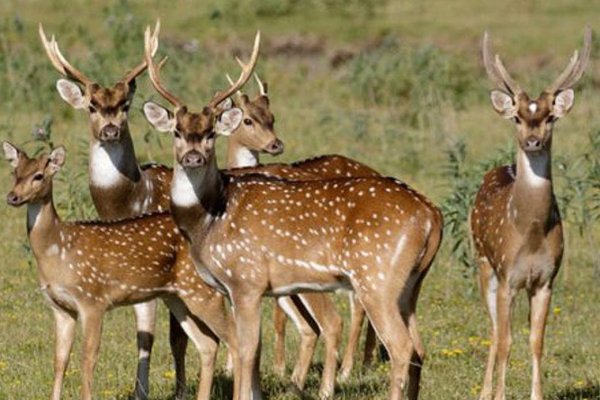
246 308
370 344
64 328
308 337
539 304
488 287
357 315
324 313
393 333
418 356
204 340
279 320
178 340
145 316
91 319
504 302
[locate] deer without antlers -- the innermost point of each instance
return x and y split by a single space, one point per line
515 222
87 268
253 236
120 187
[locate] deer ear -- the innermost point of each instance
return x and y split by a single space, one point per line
503 103
228 121
56 160
225 104
159 117
71 93
11 153
563 102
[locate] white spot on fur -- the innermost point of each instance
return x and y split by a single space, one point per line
533 107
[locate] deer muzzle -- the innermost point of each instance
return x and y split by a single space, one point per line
110 133
193 159
13 199
275 147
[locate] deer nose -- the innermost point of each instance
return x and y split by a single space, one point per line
275 147
193 159
533 144
110 132
12 199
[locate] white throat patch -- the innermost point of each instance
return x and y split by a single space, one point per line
244 158
103 169
182 187
534 168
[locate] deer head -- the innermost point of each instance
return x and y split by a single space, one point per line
535 118
32 176
194 133
256 132
107 106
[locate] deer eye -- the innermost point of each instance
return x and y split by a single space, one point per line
92 109
247 121
38 177
177 134
126 106
517 120
211 135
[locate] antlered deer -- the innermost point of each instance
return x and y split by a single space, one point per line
88 268
312 313
253 236
515 222
120 187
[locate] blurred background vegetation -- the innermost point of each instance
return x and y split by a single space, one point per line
398 85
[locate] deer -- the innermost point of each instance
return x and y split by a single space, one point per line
86 268
120 187
515 223
312 313
254 236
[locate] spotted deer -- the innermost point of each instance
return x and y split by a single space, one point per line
515 222
88 268
120 187
253 235
312 313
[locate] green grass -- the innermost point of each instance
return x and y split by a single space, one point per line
416 89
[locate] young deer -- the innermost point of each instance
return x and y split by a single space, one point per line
312 313
253 236
87 268
120 187
515 222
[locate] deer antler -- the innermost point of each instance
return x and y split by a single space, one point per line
244 76
495 69
135 72
262 86
238 92
574 70
150 47
59 61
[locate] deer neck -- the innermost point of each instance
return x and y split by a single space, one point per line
239 156
43 225
114 165
532 192
197 197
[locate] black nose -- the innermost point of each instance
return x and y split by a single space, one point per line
275 147
110 132
193 159
12 199
532 144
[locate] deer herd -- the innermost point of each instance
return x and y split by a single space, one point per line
212 243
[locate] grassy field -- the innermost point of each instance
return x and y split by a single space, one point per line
396 84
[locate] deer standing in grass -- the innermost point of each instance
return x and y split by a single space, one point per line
312 313
88 268
119 186
515 222
253 236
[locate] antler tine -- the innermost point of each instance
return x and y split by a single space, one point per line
495 68
60 62
150 47
247 70
576 67
261 85
238 92
135 72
